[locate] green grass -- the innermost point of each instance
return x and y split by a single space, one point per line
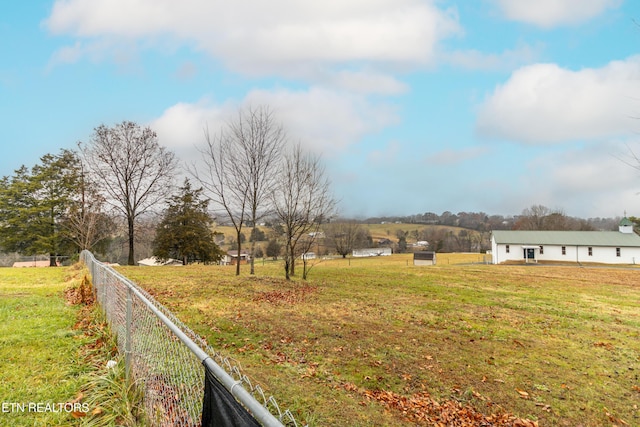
39 348
53 354
560 345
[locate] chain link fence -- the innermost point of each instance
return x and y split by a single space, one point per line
168 360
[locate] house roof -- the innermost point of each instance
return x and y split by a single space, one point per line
567 238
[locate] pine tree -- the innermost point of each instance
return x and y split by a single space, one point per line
33 203
185 230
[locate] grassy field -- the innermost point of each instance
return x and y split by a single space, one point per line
364 340
39 347
389 230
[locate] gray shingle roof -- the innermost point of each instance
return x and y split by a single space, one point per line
567 238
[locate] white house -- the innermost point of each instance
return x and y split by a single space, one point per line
605 247
371 252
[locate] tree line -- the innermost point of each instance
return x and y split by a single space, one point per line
535 217
248 170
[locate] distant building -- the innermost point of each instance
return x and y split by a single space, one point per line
232 258
308 255
155 262
424 258
371 252
604 247
22 264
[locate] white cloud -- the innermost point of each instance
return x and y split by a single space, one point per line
183 125
365 82
544 103
323 120
507 60
279 36
588 182
551 13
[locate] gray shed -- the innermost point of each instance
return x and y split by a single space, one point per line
424 258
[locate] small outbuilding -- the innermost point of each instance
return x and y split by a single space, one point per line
308 255
424 258
233 257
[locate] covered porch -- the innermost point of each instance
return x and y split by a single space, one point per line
530 253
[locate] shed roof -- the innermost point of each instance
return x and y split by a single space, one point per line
567 238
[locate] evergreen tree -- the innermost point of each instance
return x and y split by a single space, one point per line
33 204
185 230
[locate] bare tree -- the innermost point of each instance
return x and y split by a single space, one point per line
86 223
345 236
223 176
240 166
533 218
539 217
134 171
259 140
302 202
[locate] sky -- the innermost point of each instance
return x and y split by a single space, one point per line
413 105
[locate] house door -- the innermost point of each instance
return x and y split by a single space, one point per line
529 253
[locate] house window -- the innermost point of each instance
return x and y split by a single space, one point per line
617 251
564 250
590 251
541 250
507 248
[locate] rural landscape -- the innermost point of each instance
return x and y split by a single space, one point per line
378 341
332 315
308 214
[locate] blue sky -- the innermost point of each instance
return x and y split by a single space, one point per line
414 105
